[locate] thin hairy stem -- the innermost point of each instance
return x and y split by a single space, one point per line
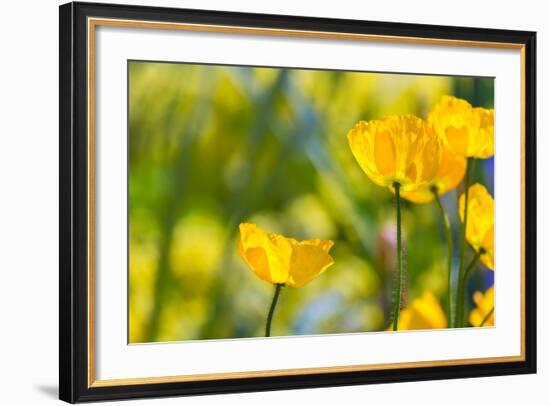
460 287
449 238
487 316
272 309
399 290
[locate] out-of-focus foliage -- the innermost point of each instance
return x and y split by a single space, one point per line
213 146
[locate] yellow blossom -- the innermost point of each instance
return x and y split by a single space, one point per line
481 222
403 149
468 131
424 313
281 260
449 174
485 303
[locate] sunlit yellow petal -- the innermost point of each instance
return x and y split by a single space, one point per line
467 131
384 153
458 140
309 259
256 259
281 260
485 147
268 254
421 195
279 253
450 173
489 244
481 220
361 143
403 149
484 304
424 313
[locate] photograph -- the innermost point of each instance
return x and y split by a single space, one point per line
255 202
275 201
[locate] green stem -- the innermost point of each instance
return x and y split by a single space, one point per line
278 287
472 263
487 316
398 291
460 287
449 237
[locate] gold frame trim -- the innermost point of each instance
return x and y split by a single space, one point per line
94 22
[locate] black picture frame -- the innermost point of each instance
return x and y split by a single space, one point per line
74 199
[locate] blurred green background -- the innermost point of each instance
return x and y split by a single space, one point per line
212 146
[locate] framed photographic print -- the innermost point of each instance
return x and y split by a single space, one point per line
258 202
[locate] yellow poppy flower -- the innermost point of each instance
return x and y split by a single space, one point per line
424 313
402 149
449 174
480 229
485 303
281 260
468 131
